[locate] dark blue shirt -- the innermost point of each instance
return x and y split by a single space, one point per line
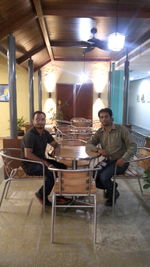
36 142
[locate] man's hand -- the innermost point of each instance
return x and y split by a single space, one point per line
120 162
45 163
102 152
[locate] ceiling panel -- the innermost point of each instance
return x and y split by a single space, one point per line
47 30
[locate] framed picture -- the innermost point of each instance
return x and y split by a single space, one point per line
4 93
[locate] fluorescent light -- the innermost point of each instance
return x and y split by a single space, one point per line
85 25
116 41
83 78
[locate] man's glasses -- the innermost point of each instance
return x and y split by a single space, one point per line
40 119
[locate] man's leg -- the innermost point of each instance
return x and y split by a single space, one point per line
104 181
56 164
49 183
37 169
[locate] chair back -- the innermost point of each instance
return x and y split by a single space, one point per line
70 182
74 183
81 122
9 156
137 165
12 159
143 157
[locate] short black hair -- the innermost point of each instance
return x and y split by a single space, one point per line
107 110
38 112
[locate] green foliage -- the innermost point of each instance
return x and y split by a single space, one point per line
147 179
55 115
59 115
20 123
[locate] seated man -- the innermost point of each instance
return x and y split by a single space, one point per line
33 145
117 147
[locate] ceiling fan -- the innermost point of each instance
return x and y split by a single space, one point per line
94 42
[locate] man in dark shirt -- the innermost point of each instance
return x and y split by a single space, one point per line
33 146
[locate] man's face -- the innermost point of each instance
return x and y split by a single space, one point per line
39 121
105 119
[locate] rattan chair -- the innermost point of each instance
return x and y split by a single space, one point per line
81 122
13 171
74 183
137 165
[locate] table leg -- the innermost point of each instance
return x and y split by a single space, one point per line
74 164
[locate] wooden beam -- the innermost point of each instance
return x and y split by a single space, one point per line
42 65
39 11
76 9
30 54
69 44
104 59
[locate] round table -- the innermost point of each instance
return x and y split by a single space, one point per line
74 153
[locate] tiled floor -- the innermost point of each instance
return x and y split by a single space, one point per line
123 238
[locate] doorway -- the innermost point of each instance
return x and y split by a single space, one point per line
74 100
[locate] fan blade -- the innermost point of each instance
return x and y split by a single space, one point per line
102 44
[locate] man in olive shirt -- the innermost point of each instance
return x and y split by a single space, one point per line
33 146
117 146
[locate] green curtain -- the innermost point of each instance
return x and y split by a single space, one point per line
116 95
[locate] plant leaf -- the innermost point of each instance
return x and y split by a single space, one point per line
146 186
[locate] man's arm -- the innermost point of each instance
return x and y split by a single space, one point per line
56 147
30 155
130 145
92 144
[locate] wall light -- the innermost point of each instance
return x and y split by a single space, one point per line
49 95
99 95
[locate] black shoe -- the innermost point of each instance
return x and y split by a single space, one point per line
109 201
40 199
106 193
48 203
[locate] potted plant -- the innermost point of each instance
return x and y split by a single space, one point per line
147 179
20 124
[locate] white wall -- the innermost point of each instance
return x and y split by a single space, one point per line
139 103
69 72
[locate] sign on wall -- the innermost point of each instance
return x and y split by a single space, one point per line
4 93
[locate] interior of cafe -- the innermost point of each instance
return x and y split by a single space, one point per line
70 59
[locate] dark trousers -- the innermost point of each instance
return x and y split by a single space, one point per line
103 179
37 169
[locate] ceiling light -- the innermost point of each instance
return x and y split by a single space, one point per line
83 78
116 40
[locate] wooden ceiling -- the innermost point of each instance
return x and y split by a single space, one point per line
49 30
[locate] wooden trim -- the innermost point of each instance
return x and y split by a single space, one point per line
38 8
30 54
75 9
